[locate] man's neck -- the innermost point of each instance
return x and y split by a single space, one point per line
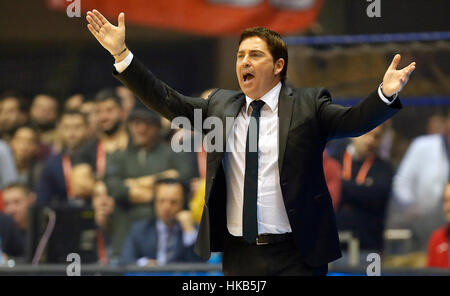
116 141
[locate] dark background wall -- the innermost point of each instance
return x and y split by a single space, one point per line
45 51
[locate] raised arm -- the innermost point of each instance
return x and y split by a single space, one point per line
155 94
338 121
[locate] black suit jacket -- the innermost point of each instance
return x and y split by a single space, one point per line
307 120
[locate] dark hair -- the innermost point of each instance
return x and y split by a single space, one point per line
171 181
108 94
70 112
17 96
30 126
19 185
275 44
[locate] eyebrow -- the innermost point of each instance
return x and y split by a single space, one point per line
251 51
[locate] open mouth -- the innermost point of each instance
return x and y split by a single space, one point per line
247 77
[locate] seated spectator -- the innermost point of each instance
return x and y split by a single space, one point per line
168 238
44 113
366 186
110 117
12 114
11 241
130 174
419 185
55 182
82 182
103 206
17 199
438 245
24 145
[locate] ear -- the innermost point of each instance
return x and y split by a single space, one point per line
279 65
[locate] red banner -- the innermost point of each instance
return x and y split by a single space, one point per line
206 17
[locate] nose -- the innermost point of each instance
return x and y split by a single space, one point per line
246 61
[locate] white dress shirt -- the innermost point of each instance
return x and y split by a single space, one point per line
271 213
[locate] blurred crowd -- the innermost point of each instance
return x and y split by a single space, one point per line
111 154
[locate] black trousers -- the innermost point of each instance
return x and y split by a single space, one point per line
280 259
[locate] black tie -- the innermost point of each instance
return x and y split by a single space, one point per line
250 222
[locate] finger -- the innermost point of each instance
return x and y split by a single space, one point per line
121 19
100 16
93 23
95 19
395 62
93 31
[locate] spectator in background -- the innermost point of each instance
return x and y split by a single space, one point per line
419 185
55 182
436 124
88 109
169 237
74 102
130 174
12 114
127 99
44 113
11 241
103 205
438 245
366 186
25 145
113 136
82 182
8 170
17 199
332 171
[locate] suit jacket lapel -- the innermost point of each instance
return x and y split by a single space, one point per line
231 111
285 103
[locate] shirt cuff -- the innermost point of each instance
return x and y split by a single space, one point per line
121 66
142 261
383 98
189 238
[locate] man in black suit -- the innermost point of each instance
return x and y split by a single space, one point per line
269 211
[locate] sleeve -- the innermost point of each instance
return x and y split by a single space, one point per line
374 197
114 179
431 252
404 186
12 241
337 121
129 253
383 98
181 162
121 66
44 190
8 171
158 96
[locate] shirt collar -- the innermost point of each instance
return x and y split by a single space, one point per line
270 98
162 227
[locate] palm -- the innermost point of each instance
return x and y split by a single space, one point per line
394 80
111 37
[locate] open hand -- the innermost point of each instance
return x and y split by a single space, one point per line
111 37
394 80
